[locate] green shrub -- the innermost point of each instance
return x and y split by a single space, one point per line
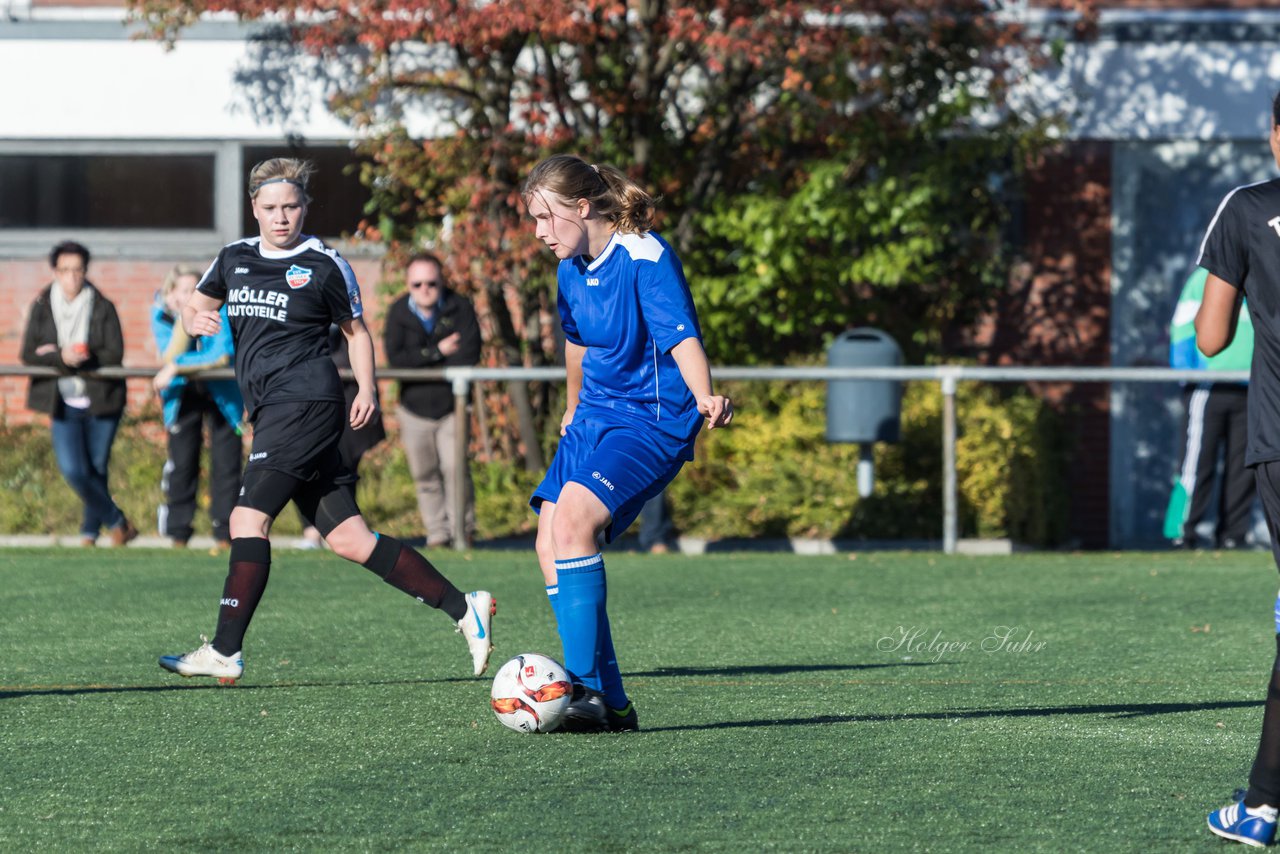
771 474
34 499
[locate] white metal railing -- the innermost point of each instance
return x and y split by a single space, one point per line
946 376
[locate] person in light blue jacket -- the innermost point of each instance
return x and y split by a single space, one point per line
189 404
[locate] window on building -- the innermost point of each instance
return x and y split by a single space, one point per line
107 191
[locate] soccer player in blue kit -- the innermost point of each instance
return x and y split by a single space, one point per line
639 389
282 290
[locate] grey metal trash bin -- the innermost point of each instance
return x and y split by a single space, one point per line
864 411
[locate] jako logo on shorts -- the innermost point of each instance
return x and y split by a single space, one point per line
602 479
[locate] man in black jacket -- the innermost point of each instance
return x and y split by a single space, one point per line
74 328
432 327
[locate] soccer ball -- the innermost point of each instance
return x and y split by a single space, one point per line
531 693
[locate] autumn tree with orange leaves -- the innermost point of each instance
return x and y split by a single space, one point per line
815 159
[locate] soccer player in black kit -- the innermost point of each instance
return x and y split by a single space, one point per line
282 290
1241 251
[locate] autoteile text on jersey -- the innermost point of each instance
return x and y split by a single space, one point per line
258 302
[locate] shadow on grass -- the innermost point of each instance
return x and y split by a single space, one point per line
770 669
14 693
1132 710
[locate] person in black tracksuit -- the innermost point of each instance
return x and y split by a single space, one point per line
189 405
1215 417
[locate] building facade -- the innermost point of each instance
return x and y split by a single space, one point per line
1167 104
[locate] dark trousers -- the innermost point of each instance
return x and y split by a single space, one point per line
1216 417
1264 777
82 445
655 522
181 478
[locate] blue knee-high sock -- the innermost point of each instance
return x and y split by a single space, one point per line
584 626
553 597
610 676
579 606
607 660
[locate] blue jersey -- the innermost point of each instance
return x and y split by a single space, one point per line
629 307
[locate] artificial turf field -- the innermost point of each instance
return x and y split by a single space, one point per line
781 708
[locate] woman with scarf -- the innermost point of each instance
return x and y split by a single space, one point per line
74 328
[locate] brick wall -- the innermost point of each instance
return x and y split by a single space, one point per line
130 284
1057 311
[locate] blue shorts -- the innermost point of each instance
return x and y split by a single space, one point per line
624 465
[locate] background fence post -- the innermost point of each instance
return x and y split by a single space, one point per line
949 463
462 425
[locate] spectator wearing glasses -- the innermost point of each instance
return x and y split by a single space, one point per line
73 327
431 326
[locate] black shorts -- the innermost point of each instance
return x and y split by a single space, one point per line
295 456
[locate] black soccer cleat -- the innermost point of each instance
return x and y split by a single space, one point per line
623 720
586 711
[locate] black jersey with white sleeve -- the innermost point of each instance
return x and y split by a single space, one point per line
1242 248
280 305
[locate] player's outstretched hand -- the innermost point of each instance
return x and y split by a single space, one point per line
363 408
206 323
717 408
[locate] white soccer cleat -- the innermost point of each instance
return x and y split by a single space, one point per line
477 627
205 661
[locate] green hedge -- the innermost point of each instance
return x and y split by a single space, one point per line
771 474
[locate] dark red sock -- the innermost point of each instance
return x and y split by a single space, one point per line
250 566
405 569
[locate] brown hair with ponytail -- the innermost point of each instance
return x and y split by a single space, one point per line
611 193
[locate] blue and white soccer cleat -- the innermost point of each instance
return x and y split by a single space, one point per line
1252 826
477 627
205 661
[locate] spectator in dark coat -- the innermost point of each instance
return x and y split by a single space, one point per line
431 326
74 328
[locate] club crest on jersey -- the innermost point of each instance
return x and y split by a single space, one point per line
297 276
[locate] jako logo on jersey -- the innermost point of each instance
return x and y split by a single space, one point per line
234 603
297 276
1274 222
240 271
593 283
262 455
608 484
